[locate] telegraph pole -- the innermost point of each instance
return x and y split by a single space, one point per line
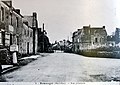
43 38
35 27
33 40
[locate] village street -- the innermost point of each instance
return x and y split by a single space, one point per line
66 67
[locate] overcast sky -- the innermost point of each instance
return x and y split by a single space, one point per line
62 17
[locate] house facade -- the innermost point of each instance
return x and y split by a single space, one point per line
33 24
5 29
27 40
89 38
111 41
17 30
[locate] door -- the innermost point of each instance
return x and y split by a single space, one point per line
27 47
3 38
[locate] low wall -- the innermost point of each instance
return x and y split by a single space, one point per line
111 52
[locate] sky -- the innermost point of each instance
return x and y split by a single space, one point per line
63 17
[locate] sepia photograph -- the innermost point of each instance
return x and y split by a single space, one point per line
59 42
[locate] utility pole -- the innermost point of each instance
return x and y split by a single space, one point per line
33 40
35 27
43 38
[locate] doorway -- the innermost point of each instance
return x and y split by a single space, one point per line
28 48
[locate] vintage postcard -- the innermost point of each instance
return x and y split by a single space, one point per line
57 42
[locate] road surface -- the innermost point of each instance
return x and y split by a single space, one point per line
66 67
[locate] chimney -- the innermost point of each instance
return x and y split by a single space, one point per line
43 27
89 25
78 29
103 26
18 11
35 15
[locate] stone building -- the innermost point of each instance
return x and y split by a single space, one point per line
10 27
11 24
27 40
43 41
89 38
117 36
111 41
33 24
16 22
5 29
6 32
76 40
17 30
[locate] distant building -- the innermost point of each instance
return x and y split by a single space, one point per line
76 38
43 41
117 36
111 41
89 38
63 45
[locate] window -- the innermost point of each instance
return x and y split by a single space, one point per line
11 39
101 40
11 18
30 34
25 32
2 14
7 39
78 47
0 38
78 40
3 38
17 40
96 40
17 22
